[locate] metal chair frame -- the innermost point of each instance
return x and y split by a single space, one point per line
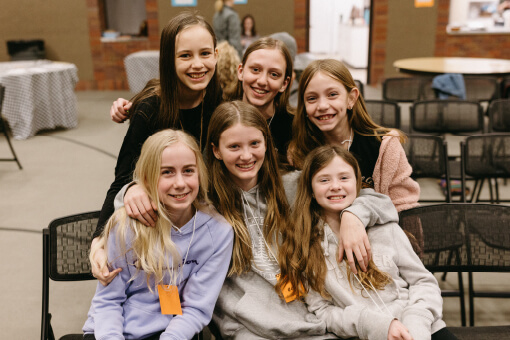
3 128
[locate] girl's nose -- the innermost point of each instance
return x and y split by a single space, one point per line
197 62
262 79
179 181
245 154
323 104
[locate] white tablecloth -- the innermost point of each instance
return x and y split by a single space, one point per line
140 68
39 95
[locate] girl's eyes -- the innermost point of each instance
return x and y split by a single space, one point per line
189 171
167 172
255 143
310 99
333 94
275 75
206 53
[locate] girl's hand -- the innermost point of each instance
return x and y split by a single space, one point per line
139 206
353 239
99 264
119 110
398 331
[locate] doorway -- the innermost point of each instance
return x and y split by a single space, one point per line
340 29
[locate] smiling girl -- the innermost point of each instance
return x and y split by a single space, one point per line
397 298
331 111
249 192
184 97
189 249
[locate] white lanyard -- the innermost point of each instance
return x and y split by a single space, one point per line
181 271
245 202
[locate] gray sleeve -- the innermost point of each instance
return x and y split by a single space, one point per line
373 208
290 181
234 33
119 198
351 321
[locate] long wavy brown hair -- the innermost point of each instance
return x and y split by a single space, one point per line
305 135
167 86
302 256
226 196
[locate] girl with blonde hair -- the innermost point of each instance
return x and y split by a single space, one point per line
396 298
171 274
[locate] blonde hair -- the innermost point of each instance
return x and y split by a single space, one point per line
305 135
226 196
226 68
302 257
152 247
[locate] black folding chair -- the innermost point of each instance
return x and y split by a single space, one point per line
66 243
485 157
428 156
499 115
463 237
3 128
384 112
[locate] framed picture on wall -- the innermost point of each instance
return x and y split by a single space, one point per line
240 2
184 3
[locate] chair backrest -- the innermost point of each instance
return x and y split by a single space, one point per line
446 116
486 156
462 236
499 115
383 112
360 87
481 89
66 243
404 89
428 156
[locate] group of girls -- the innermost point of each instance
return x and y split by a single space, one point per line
274 265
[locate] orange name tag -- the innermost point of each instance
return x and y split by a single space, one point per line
169 300
288 291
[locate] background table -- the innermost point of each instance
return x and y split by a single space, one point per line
466 66
140 68
39 95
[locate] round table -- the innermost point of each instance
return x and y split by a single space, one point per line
39 95
465 66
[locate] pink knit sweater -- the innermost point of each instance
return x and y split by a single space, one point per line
392 174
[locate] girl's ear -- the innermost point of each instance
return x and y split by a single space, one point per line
216 52
216 152
240 72
353 97
284 85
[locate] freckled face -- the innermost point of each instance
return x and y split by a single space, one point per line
326 103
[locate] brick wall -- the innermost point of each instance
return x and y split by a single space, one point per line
108 57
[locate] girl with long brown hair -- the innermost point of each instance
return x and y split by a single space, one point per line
184 97
396 298
249 192
332 111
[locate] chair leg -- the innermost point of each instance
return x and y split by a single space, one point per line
471 301
462 302
10 145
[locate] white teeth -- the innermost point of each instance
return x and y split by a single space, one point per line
197 75
260 91
179 196
245 166
336 197
325 117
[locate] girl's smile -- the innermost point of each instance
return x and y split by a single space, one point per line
242 149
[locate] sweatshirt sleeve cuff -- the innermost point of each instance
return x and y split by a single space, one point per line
374 325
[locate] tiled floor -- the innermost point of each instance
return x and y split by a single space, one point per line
67 172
